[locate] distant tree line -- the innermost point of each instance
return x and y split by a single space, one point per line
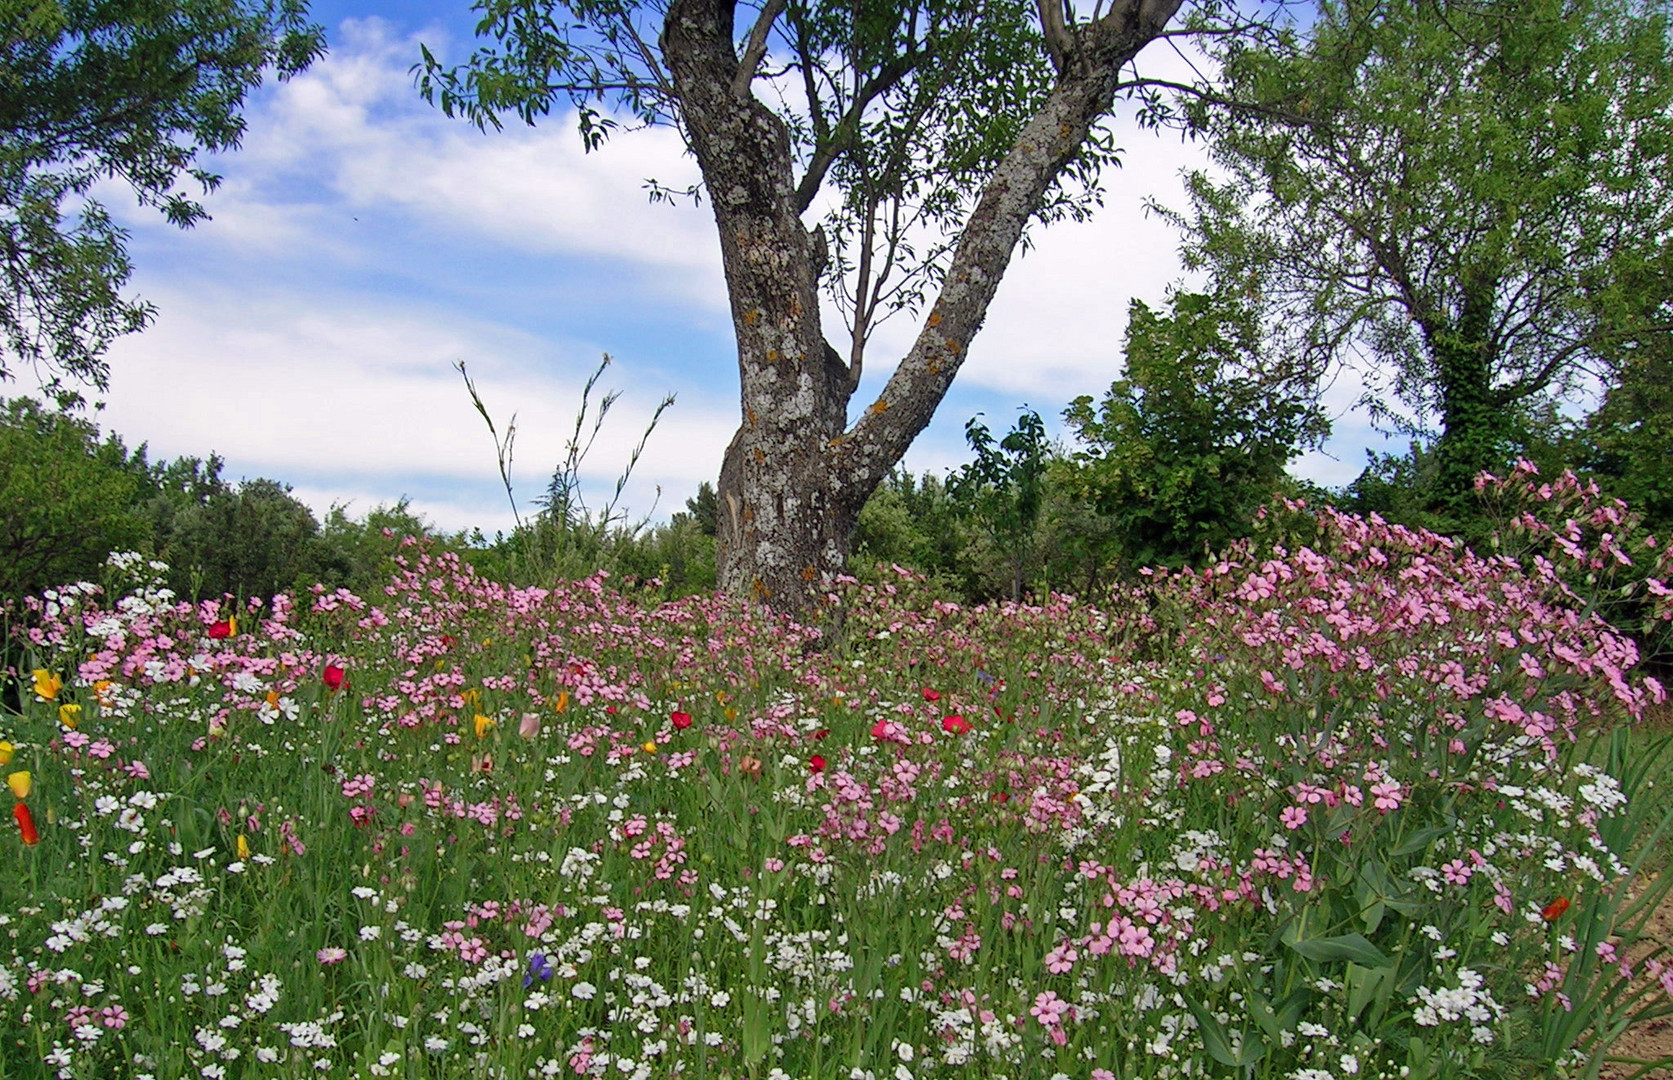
1167 468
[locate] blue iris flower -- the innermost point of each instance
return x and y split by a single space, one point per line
539 968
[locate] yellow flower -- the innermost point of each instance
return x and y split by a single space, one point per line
472 697
6 750
243 847
483 723
47 684
69 715
20 783
650 746
232 626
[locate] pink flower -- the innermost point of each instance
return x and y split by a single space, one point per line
529 727
1387 795
1294 817
114 1017
331 954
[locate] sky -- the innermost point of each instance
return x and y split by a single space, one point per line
362 244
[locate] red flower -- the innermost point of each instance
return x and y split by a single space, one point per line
1555 909
222 629
26 824
955 724
816 763
334 676
682 720
931 695
821 733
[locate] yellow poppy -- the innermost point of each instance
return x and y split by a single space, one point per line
483 723
69 715
21 784
6 750
232 626
47 684
650 746
472 697
243 847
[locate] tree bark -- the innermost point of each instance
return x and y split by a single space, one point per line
796 473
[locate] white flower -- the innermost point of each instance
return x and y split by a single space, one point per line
584 990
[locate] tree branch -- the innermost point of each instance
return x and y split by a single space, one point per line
1059 41
826 154
755 47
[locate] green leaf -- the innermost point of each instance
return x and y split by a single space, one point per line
1214 1037
1352 947
1420 840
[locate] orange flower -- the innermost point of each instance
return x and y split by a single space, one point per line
26 824
1555 909
47 684
561 702
483 723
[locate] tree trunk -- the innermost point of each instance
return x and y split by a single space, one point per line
796 473
1473 423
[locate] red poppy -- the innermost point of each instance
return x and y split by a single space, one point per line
448 641
880 730
821 733
1555 909
955 724
1000 797
681 720
334 676
26 824
222 629
931 695
816 763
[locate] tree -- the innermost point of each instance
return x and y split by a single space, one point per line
957 120
67 499
252 541
1004 488
132 90
1194 437
1472 197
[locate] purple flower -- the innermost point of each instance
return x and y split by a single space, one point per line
539 968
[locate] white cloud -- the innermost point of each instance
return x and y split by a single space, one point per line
291 386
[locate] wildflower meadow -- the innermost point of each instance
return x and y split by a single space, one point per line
1352 802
